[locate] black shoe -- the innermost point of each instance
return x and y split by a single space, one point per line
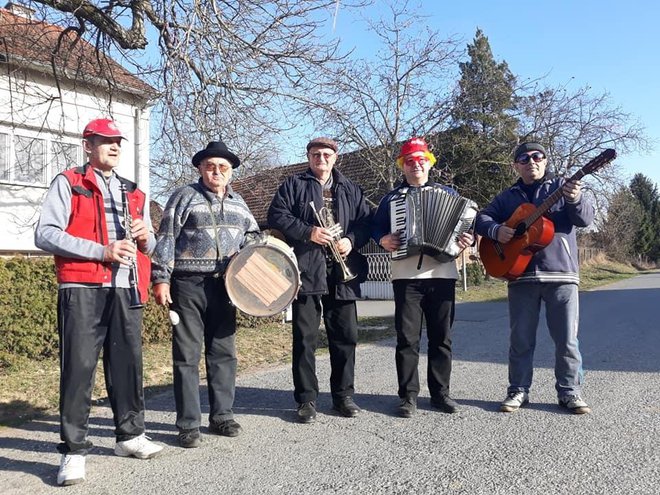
228 428
346 407
307 412
445 404
190 439
407 407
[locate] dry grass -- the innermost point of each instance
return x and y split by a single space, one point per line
30 388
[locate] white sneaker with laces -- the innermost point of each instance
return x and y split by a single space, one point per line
141 447
72 470
514 401
575 404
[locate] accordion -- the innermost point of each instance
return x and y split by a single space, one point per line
429 221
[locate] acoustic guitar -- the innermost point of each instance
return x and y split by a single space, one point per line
533 231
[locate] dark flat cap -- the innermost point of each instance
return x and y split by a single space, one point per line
323 142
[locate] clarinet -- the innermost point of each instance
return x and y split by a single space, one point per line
132 274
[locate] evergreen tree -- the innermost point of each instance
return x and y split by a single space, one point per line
476 150
647 239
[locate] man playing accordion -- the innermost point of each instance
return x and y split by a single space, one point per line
424 287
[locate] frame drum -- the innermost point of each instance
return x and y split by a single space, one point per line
263 278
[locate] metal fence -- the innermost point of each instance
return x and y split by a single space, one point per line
379 284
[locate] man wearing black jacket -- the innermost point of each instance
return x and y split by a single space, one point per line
324 288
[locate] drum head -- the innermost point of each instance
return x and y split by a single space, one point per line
263 279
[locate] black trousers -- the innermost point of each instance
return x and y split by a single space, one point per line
208 319
432 300
340 318
90 320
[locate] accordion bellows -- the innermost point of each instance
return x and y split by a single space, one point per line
429 220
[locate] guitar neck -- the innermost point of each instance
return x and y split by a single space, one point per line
550 200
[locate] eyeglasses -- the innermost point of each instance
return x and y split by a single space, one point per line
209 167
317 155
524 159
416 160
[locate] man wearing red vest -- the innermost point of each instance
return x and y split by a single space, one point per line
83 225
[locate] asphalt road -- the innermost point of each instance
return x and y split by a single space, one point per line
539 449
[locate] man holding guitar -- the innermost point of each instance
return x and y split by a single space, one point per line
544 269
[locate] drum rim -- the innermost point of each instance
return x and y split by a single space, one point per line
231 282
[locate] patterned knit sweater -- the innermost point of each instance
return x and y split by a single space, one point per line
200 232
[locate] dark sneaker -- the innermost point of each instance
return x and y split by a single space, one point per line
407 407
575 404
307 412
514 401
190 439
346 407
445 404
228 428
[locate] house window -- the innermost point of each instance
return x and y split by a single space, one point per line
4 156
64 155
30 160
26 159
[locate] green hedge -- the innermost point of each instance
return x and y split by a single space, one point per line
28 311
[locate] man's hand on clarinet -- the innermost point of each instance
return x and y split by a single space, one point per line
139 232
120 252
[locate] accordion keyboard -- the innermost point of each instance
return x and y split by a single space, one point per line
398 224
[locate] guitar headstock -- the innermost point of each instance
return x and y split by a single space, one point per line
599 162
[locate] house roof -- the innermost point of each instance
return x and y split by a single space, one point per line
29 42
258 190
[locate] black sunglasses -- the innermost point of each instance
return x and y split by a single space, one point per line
524 159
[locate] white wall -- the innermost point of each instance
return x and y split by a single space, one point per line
34 109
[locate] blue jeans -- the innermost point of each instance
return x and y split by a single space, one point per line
562 315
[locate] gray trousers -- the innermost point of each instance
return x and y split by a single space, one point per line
207 319
90 320
562 315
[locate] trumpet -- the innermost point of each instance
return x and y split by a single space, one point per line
132 274
326 220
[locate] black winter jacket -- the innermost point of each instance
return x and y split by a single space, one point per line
290 212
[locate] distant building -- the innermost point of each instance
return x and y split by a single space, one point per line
51 85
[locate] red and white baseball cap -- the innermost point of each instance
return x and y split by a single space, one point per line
102 127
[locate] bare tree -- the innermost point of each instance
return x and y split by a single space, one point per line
575 126
371 106
222 68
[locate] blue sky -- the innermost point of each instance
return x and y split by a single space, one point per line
611 46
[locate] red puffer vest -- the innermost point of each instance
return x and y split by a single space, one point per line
87 221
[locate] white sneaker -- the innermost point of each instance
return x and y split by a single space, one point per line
141 447
514 401
575 404
72 470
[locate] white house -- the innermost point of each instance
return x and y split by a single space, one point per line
51 85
